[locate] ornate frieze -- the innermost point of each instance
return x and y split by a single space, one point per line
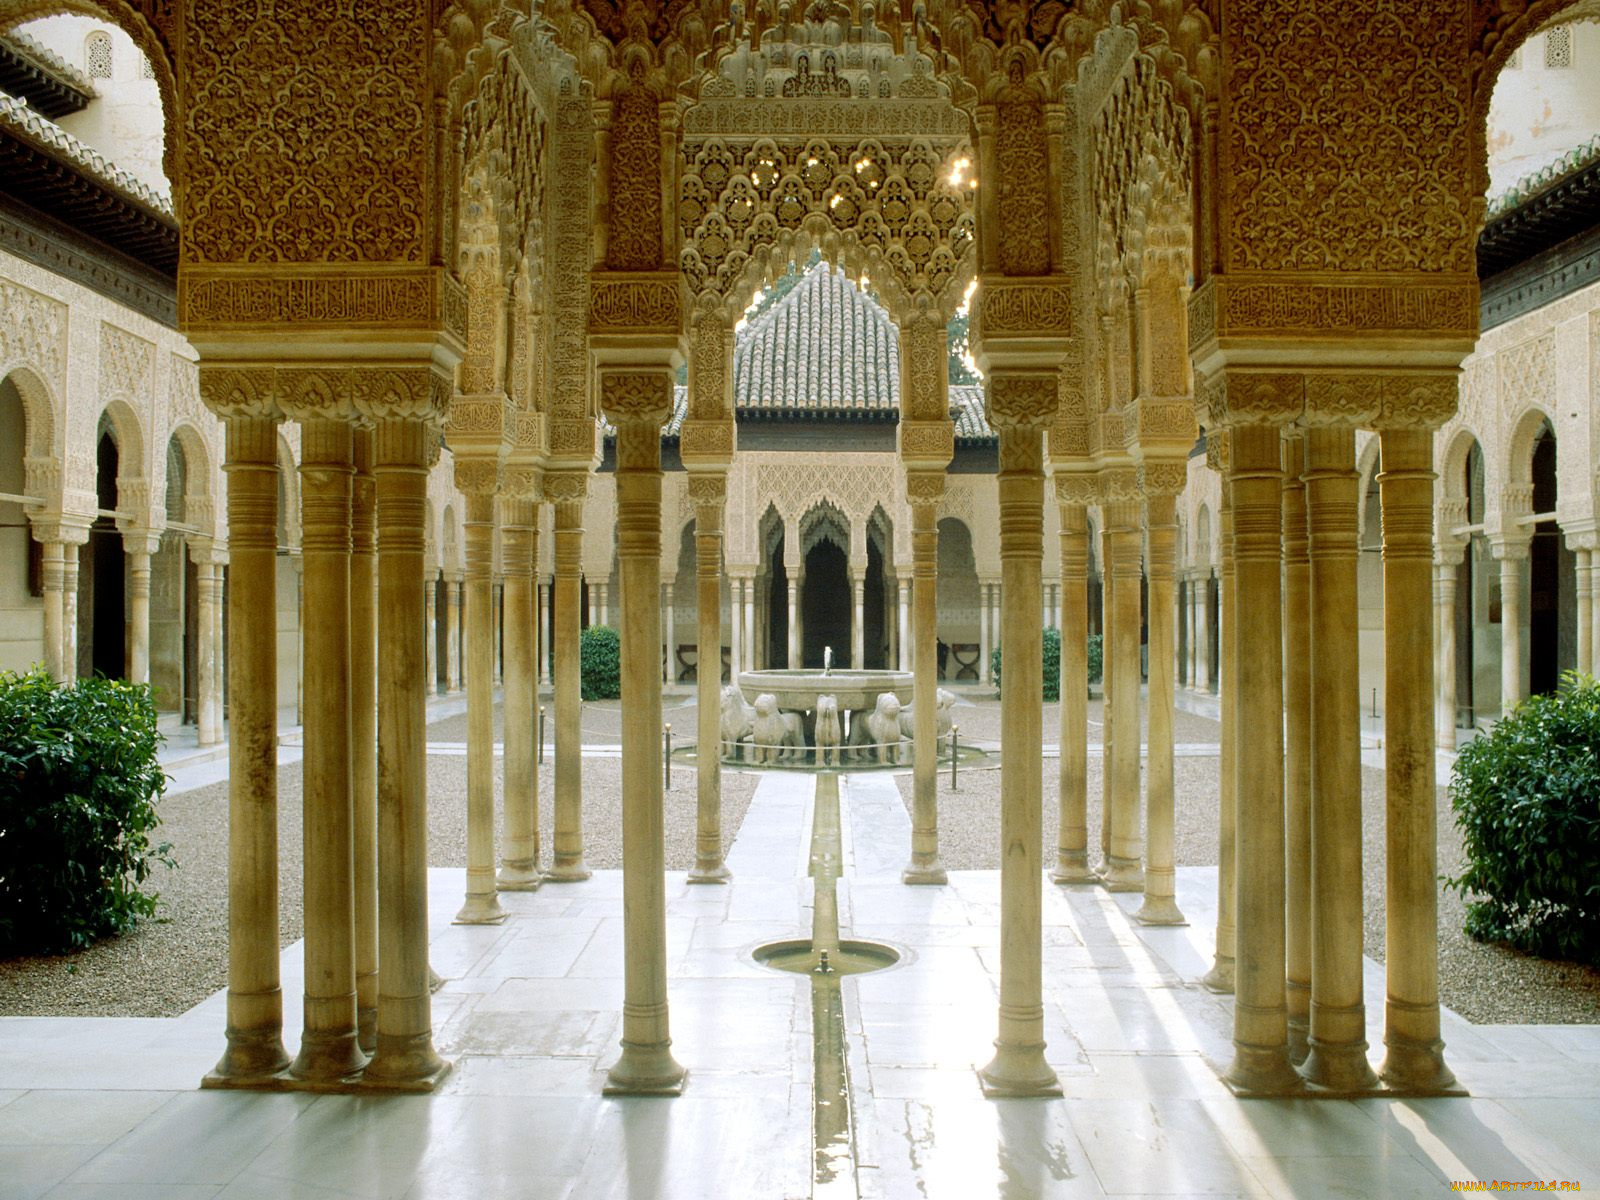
1019 399
927 443
127 366
1231 306
33 333
635 303
337 296
706 442
1025 308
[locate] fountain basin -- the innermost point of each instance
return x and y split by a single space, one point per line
797 690
799 956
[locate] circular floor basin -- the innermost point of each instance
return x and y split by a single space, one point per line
798 957
797 690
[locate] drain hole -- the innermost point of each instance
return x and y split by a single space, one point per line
800 957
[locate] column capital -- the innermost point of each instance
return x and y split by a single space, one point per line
1163 477
522 481
1020 399
708 490
1077 487
924 489
707 444
477 476
563 486
1505 548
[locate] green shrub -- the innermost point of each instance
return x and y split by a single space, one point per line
1096 658
1052 663
79 783
600 653
1526 796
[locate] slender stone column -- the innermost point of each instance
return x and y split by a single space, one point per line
1585 615
496 631
735 624
69 609
1107 712
1415 1053
1512 554
669 662
430 632
54 579
404 1056
1203 639
751 637
452 618
1019 1067
1161 483
1196 588
566 491
637 402
708 491
983 631
540 646
1260 1020
1221 976
1444 607
602 592
1337 1056
329 1050
477 479
364 735
923 489
139 547
1074 493
903 642
255 1003
794 621
209 716
1594 610
519 866
1123 870
1297 702
858 624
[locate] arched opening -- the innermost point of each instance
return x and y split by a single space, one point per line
772 617
1552 586
21 566
1477 640
1369 579
175 601
878 615
102 575
825 606
960 609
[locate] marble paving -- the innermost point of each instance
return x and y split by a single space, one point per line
529 1013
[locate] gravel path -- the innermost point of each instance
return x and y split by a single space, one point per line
132 976
1487 984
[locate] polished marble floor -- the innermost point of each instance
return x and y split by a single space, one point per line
529 1013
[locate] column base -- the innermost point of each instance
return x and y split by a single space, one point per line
1299 1039
1160 910
1121 874
715 873
435 980
480 910
251 1059
328 1059
367 1029
931 872
405 1064
1018 1071
1072 866
1417 1068
1220 978
1262 1071
518 877
568 872
645 1071
1338 1068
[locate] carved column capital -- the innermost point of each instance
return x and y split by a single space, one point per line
477 476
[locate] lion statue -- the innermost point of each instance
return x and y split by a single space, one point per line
737 719
777 736
875 736
943 716
828 731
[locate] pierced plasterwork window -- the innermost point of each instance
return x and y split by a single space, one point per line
1558 47
98 49
146 71
1514 63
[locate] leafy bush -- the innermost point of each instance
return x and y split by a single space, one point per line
1052 663
79 783
1527 798
1096 658
600 653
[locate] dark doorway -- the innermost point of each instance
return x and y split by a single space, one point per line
777 610
104 591
1552 599
826 602
875 641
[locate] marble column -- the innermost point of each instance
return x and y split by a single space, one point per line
669 662
1594 610
452 620
1581 572
541 647
139 545
364 735
329 1049
903 628
404 1056
794 621
736 585
708 491
601 592
53 574
1414 1060
1446 563
1203 636
478 479
255 1050
637 402
1260 1019
923 489
519 542
208 576
1122 870
1195 588
1161 483
1073 494
1221 976
1297 704
566 491
1337 1048
69 609
1512 554
983 631
858 623
430 633
1019 1067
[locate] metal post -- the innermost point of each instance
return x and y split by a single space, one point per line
955 740
666 755
539 734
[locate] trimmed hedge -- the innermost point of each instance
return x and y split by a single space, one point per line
79 783
1052 663
1526 796
600 656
